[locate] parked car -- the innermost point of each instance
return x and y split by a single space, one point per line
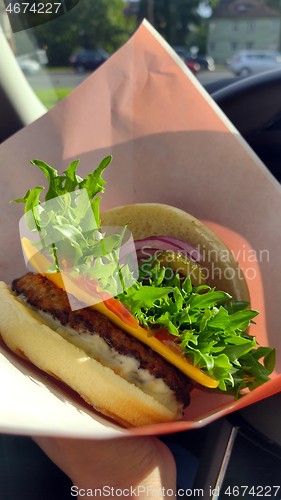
28 66
193 66
206 62
88 60
190 63
251 62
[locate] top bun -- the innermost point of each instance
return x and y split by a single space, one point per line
154 219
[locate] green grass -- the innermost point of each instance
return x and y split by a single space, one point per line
58 69
50 97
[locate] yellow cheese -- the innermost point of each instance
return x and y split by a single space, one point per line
41 264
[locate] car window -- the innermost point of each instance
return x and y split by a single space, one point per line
58 55
268 58
55 56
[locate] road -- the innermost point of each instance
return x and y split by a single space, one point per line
66 79
69 79
205 77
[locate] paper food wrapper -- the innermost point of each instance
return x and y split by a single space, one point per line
170 144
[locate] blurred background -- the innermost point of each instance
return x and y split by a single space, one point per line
217 39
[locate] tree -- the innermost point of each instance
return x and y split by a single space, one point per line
274 4
89 25
175 19
172 18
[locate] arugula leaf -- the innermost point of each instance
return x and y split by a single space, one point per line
95 207
235 306
55 182
204 320
71 233
100 270
72 180
269 356
239 320
31 203
147 295
187 286
94 182
208 299
233 352
270 360
22 200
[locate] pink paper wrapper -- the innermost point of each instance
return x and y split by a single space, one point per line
170 144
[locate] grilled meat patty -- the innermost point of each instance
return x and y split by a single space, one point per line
44 295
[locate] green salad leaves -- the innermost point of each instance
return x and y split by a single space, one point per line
68 229
204 322
209 329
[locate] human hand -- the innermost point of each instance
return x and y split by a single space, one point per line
131 467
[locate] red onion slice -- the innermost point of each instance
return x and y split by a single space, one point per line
152 246
165 243
157 242
194 254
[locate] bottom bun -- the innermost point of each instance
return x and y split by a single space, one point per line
98 385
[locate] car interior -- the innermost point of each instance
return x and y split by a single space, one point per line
238 455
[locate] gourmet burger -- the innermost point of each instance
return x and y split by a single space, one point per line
137 354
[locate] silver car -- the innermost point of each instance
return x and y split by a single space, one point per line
28 66
251 62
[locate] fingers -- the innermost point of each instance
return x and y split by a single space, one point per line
121 462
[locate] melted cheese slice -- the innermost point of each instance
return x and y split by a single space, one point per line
41 264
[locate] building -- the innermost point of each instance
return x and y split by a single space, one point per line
132 8
242 24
